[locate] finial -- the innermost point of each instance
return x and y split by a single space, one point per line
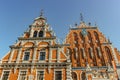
81 17
75 24
109 40
89 24
41 12
95 24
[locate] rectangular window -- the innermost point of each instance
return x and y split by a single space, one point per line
5 75
22 75
26 55
42 56
58 75
40 75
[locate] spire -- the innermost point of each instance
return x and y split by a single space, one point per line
109 40
41 13
81 17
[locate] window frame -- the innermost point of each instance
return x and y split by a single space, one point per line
61 73
20 73
39 58
39 35
35 33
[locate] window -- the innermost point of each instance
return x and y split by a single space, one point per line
97 51
26 56
41 34
42 55
89 37
82 37
35 34
83 53
5 75
96 35
40 75
108 53
58 75
90 53
22 75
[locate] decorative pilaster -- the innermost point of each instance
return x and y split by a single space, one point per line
114 55
50 54
19 53
34 54
11 55
68 73
58 54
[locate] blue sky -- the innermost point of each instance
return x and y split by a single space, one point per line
17 15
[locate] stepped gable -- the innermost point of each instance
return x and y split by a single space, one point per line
89 46
36 55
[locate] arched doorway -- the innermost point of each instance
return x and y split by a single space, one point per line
83 76
74 76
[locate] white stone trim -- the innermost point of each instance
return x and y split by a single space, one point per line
18 56
50 55
114 55
34 54
58 55
11 55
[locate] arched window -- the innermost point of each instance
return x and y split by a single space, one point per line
96 35
83 76
41 34
83 53
97 51
74 76
90 53
75 35
89 37
108 53
82 37
35 34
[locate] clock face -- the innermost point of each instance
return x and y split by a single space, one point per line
39 22
84 32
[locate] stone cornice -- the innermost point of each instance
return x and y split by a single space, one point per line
51 46
106 43
37 65
37 38
83 28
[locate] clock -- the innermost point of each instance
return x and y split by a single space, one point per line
84 32
39 22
